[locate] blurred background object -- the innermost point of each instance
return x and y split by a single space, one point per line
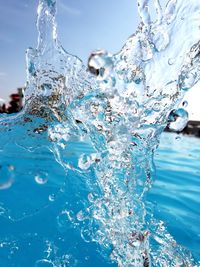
15 104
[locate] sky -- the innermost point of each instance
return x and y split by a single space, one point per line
83 25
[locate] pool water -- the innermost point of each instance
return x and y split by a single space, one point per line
38 216
176 189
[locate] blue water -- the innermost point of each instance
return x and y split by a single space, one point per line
34 227
176 189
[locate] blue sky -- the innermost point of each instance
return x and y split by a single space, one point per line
83 25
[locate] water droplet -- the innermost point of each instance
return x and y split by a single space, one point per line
187 81
100 64
178 119
44 263
6 176
171 61
185 104
41 178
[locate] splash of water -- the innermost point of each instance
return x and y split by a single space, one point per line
120 105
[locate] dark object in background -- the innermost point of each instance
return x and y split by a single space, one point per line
16 103
192 128
3 108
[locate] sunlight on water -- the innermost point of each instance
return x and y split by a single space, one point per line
102 124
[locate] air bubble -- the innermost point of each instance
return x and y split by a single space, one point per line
52 197
86 235
82 215
41 178
64 219
6 176
99 237
92 197
87 258
84 162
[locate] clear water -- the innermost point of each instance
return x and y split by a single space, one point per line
77 163
176 189
34 228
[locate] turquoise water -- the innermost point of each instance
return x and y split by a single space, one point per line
176 189
34 227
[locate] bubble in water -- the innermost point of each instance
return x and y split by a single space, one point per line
64 219
178 119
92 197
6 176
83 215
84 162
52 197
86 234
99 237
41 178
100 64
87 258
44 263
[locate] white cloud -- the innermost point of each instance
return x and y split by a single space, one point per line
70 10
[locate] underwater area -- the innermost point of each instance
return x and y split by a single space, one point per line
87 176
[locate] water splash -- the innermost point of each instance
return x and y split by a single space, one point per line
120 106
178 119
